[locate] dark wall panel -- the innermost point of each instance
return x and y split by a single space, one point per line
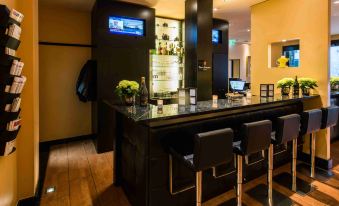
118 56
220 59
198 44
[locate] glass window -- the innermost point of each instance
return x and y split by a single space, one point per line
334 60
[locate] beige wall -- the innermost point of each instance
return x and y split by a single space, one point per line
240 51
62 114
307 20
19 171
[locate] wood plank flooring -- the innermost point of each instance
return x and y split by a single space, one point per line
82 177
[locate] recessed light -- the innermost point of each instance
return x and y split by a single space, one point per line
248 30
336 2
215 9
50 190
284 40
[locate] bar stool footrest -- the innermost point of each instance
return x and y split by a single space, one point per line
259 193
320 174
285 179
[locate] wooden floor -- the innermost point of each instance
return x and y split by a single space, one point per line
81 177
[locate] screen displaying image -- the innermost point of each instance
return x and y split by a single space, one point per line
128 26
216 36
293 54
237 85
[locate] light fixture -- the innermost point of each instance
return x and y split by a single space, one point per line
215 9
336 2
284 40
50 190
248 30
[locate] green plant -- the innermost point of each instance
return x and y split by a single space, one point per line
307 83
127 88
285 83
334 81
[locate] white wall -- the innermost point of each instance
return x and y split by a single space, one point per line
240 51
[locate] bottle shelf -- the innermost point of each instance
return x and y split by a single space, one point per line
172 41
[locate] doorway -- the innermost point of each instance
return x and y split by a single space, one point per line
235 68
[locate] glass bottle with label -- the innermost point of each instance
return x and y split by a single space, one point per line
296 87
143 93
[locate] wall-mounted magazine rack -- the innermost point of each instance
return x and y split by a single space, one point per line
9 42
8 46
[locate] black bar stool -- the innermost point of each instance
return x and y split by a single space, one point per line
287 129
310 124
210 149
329 117
255 137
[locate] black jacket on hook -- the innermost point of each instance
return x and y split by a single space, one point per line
86 86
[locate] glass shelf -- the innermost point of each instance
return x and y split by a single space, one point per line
167 71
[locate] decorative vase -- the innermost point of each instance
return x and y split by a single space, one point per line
129 100
285 91
306 91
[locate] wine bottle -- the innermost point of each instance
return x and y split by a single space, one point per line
143 93
296 87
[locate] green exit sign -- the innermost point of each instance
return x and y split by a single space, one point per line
232 42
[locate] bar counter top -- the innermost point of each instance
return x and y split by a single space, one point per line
151 113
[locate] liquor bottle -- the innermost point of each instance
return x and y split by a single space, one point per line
159 49
143 93
296 87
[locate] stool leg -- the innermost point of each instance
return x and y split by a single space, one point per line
270 174
239 180
294 165
198 187
312 148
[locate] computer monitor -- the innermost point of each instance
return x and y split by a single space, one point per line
237 85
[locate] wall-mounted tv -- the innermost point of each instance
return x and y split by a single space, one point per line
216 36
126 26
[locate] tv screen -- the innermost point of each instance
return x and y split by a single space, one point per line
237 85
216 36
127 26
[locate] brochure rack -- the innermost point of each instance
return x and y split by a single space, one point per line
9 116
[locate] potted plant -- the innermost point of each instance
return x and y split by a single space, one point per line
127 90
306 84
285 85
334 83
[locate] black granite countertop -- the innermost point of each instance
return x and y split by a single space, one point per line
152 112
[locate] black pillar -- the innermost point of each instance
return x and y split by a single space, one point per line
198 44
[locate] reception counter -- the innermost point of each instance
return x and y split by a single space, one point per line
140 136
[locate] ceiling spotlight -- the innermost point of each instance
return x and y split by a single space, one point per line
215 9
336 2
248 30
284 40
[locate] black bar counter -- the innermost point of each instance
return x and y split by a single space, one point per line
140 135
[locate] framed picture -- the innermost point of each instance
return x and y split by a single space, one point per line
266 90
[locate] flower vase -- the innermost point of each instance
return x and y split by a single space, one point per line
285 91
129 100
306 91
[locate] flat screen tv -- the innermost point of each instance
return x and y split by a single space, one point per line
126 26
216 36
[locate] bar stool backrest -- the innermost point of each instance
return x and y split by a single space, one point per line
329 117
310 121
256 136
287 128
213 148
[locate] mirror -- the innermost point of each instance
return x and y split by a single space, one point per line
284 54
